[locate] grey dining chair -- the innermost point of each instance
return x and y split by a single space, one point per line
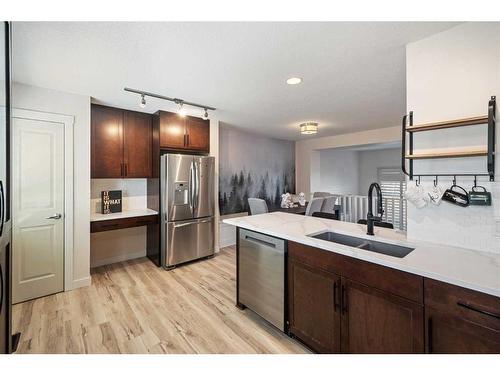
257 206
314 206
329 204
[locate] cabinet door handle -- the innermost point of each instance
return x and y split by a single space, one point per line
125 168
336 305
121 169
429 335
184 140
344 299
187 138
477 309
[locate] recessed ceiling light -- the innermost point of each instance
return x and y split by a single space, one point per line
294 80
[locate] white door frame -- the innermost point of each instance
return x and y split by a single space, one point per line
68 122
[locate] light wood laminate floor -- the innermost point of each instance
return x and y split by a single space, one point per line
136 307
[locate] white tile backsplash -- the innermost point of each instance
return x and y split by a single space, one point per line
134 192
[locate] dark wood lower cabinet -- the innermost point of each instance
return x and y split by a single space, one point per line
314 307
448 334
374 321
337 304
459 320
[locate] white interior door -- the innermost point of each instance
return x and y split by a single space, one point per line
37 208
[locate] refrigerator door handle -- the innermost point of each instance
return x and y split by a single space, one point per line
196 186
192 223
191 187
2 208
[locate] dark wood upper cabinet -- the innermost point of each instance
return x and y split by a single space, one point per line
137 140
374 321
172 130
183 133
198 134
107 142
121 143
314 311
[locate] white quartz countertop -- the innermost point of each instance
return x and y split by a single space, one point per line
121 215
471 269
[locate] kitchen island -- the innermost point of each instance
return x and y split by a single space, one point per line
436 299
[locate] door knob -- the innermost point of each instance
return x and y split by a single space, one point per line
55 217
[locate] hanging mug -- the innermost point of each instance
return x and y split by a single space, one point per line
456 197
480 198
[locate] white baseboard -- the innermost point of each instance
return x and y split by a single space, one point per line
117 258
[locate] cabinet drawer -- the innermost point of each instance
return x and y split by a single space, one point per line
128 222
464 303
397 282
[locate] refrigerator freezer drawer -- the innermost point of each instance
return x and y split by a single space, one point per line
261 276
189 240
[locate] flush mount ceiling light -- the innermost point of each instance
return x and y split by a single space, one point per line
294 80
142 103
309 128
180 102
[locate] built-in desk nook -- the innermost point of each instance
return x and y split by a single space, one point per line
120 220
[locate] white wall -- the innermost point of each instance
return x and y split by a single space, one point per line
452 75
45 100
369 163
338 172
307 152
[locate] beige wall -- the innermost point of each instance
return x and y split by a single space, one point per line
45 100
307 160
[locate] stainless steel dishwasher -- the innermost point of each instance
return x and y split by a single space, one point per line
261 276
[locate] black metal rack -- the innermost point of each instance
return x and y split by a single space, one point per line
489 151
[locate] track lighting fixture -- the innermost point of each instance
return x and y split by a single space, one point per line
180 102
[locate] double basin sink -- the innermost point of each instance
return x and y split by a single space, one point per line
361 243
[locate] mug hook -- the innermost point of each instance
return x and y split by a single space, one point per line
436 181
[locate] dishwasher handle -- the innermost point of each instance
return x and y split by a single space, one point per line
260 242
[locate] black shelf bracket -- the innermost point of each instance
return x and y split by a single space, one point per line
407 164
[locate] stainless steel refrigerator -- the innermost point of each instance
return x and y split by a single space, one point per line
187 208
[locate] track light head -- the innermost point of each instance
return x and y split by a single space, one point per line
182 110
205 115
142 103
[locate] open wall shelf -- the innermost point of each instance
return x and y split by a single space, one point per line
441 155
480 120
408 129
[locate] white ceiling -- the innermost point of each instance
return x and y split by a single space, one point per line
354 73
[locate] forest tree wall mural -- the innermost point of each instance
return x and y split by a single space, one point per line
253 166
